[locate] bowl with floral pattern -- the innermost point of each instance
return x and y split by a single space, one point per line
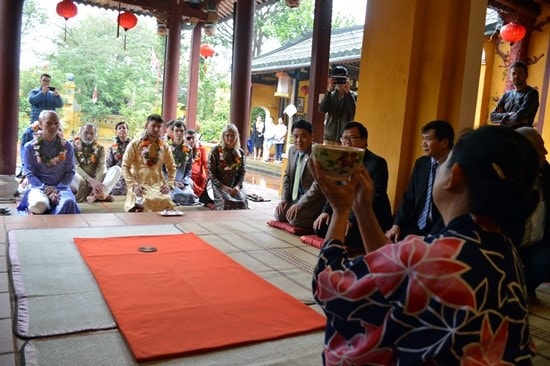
338 162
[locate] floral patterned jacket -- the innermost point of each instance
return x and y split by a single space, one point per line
455 299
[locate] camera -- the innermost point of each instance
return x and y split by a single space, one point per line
341 79
51 88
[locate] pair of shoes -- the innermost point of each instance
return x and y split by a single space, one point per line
4 211
91 199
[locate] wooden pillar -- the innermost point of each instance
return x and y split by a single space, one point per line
420 61
172 63
11 13
193 84
319 71
242 65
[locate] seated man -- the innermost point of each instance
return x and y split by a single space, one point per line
183 192
92 182
142 164
49 168
301 199
356 135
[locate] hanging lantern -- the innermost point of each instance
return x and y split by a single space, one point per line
66 9
206 50
293 3
305 89
127 21
513 32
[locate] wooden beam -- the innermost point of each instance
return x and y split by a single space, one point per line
526 8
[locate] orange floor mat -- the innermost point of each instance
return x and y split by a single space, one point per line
188 297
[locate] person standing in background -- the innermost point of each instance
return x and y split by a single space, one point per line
280 137
45 97
338 105
269 138
517 107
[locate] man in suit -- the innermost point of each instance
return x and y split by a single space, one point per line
356 135
534 248
417 214
301 199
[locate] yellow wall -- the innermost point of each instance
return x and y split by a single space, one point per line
263 96
430 72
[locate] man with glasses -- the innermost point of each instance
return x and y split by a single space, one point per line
44 98
356 135
417 214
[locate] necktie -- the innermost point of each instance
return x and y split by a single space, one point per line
297 176
427 210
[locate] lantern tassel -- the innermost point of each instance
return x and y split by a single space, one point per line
124 41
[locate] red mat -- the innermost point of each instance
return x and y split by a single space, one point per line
313 240
296 230
188 297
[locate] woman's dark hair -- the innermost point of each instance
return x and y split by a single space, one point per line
121 123
501 166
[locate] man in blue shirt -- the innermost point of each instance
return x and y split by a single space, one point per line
44 98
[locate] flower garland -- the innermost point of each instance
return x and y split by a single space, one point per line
229 159
85 154
150 151
180 153
43 159
118 149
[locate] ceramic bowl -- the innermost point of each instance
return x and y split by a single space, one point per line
338 162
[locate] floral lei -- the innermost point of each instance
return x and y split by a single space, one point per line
85 154
42 159
150 151
229 159
179 158
118 149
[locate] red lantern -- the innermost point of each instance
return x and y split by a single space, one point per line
512 32
127 20
305 89
206 50
66 9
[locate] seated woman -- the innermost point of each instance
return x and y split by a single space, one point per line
226 165
455 298
142 163
199 163
115 154
49 170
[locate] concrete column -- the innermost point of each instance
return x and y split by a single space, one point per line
11 13
420 62
319 71
242 61
193 85
172 63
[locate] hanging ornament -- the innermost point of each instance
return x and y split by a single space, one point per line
206 50
513 32
66 9
293 3
127 21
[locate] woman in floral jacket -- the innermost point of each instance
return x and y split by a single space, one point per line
454 299
115 154
226 164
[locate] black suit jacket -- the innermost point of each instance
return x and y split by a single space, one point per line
378 170
413 202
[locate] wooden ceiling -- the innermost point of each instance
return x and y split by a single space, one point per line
193 10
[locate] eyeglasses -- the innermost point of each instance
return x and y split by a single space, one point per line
351 139
188 138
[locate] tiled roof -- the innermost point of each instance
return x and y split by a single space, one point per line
345 46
